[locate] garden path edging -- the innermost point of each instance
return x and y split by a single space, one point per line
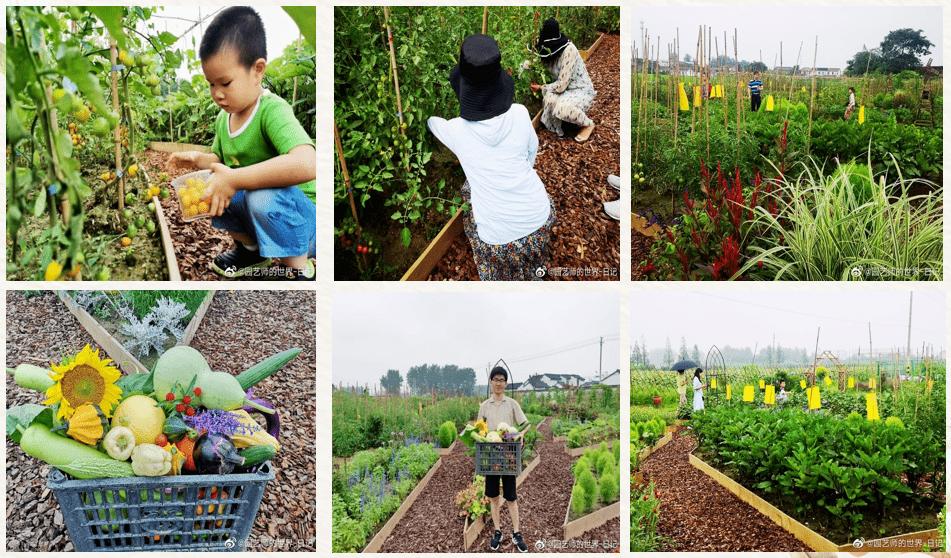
591 521
645 453
800 531
170 260
121 357
387 529
575 452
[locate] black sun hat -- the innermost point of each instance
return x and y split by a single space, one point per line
550 39
483 89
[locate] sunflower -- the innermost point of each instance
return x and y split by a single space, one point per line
86 379
482 427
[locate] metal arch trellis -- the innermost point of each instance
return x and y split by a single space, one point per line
715 369
488 379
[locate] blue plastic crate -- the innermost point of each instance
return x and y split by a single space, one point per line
494 458
176 513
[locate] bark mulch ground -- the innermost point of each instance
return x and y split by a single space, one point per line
240 329
196 243
575 175
700 515
640 248
433 523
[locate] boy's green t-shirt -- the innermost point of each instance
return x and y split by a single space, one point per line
273 130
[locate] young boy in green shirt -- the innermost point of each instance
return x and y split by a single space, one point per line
264 163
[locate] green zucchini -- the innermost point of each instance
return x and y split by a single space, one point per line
32 377
72 457
256 455
265 368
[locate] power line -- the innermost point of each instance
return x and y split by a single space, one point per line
564 349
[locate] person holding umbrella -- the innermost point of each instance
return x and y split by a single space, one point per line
680 366
698 388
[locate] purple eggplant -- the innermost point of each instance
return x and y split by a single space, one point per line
215 455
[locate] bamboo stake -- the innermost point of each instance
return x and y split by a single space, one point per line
812 102
706 101
396 78
739 125
485 19
346 178
677 87
657 87
693 113
113 56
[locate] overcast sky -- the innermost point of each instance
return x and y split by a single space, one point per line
373 332
743 319
279 28
841 30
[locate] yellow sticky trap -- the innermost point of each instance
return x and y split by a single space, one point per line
828 381
861 115
769 103
729 395
851 383
802 384
748 393
770 395
719 92
930 385
762 384
696 95
871 406
713 383
684 103
871 383
815 399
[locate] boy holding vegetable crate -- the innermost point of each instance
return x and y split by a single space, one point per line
494 411
263 190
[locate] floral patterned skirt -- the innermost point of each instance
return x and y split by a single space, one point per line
569 106
516 261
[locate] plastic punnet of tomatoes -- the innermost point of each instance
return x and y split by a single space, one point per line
189 188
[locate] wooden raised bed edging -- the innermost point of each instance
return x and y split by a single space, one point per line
121 357
575 452
380 537
426 262
446 451
818 543
645 453
171 147
591 521
679 422
170 260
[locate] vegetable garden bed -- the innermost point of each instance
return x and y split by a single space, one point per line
645 452
575 452
387 529
578 527
908 541
286 516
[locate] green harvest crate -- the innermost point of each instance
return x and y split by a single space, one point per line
182 512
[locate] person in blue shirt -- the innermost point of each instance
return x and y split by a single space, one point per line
756 92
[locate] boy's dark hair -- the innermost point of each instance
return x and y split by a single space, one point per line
239 27
498 371
756 72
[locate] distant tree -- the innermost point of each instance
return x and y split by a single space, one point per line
391 382
687 58
779 354
863 60
683 355
636 355
668 354
757 67
696 354
902 48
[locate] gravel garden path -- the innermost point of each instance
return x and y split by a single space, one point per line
699 515
240 329
575 175
433 523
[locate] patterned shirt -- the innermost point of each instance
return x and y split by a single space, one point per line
756 86
569 72
508 410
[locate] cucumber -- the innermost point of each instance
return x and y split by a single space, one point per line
265 368
32 377
72 457
255 455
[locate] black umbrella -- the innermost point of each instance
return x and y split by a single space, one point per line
684 364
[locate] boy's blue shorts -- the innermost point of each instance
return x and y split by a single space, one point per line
282 220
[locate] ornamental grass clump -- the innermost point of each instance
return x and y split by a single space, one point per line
847 226
447 433
609 487
590 486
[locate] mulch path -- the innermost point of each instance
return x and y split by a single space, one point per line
433 523
575 175
240 329
640 248
699 515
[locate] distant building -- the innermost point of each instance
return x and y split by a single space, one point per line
543 383
822 72
613 379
